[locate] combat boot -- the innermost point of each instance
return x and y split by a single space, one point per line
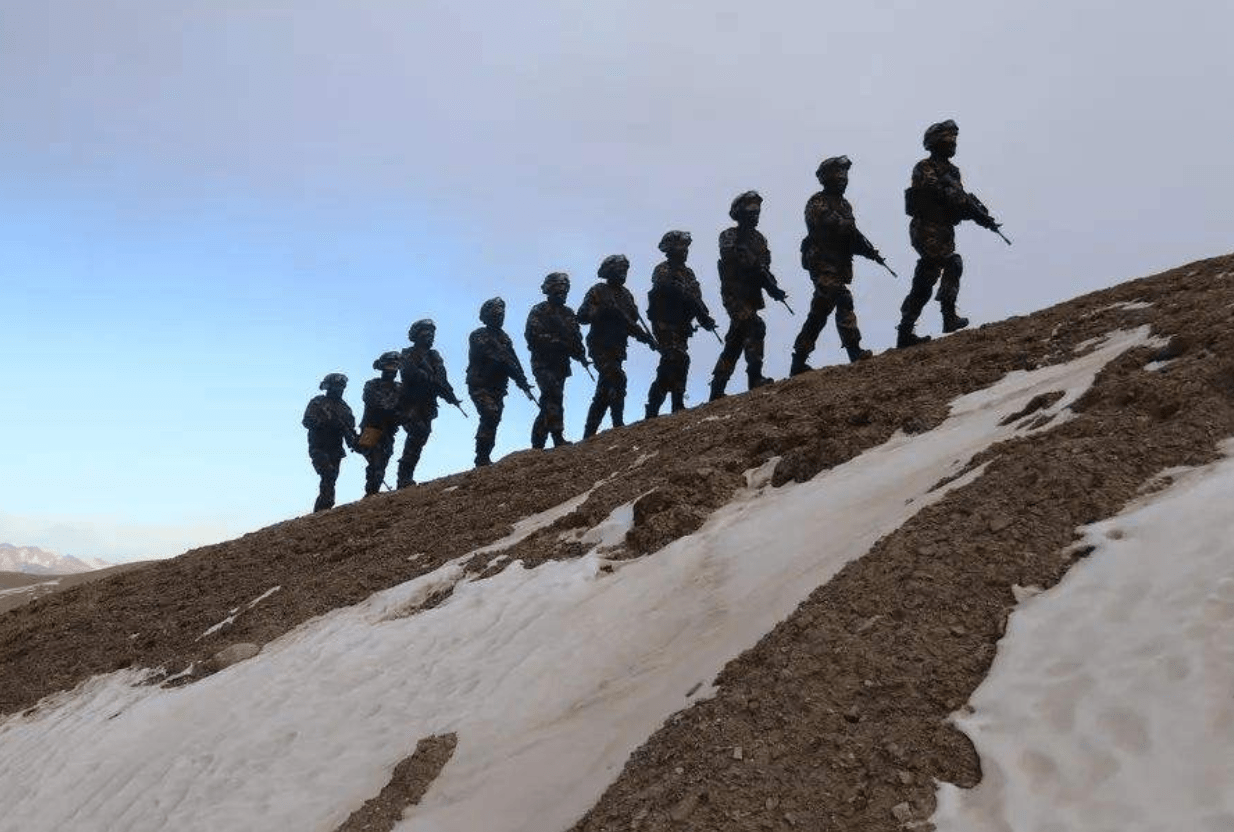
618 412
952 321
907 338
559 440
856 353
483 450
594 414
655 398
755 377
538 436
799 365
717 390
679 400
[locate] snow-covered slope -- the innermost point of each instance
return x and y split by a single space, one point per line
762 614
35 561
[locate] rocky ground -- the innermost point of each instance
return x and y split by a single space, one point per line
837 718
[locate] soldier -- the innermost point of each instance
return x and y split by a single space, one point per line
382 399
937 202
609 309
553 338
674 303
745 273
491 363
424 382
831 241
330 424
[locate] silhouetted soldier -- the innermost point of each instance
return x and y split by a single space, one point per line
424 381
745 273
609 309
831 241
330 424
674 303
553 338
491 364
937 202
382 415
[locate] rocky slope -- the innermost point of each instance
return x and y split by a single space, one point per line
838 717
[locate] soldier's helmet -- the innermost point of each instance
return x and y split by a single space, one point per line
555 282
387 361
834 164
935 132
493 312
675 241
333 380
419 327
614 264
742 200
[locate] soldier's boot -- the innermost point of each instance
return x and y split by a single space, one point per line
325 500
559 440
618 411
679 400
905 337
405 473
799 365
484 449
539 434
717 388
655 398
754 375
856 353
594 414
952 321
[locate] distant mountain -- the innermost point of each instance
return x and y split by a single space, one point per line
35 561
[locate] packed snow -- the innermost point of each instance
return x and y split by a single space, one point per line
550 677
1110 704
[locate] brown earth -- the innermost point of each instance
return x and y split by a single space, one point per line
36 586
838 716
408 783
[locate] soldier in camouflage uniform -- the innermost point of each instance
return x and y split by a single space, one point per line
491 364
424 380
745 273
609 309
831 241
330 424
382 399
937 202
674 303
553 338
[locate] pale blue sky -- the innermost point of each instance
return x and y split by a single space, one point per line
206 206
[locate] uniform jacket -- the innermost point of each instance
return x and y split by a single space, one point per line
745 270
832 238
327 421
611 313
382 400
675 299
423 374
491 360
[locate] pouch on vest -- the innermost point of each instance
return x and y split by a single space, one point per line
369 437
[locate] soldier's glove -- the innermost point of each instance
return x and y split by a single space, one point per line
777 295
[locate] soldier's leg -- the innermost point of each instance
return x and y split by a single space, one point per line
489 405
539 428
552 392
949 292
617 396
820 309
418 430
607 371
755 337
924 277
327 467
681 373
846 324
378 458
734 340
670 342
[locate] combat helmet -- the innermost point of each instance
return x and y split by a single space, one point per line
332 380
675 240
743 199
614 264
413 334
387 361
833 164
493 312
937 131
555 282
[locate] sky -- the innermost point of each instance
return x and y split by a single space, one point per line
207 206
1107 705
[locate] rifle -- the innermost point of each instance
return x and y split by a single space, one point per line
876 257
459 405
784 300
587 367
984 218
531 398
651 339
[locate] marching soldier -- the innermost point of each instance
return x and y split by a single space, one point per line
745 273
937 202
382 415
491 364
330 424
831 241
609 309
674 304
424 380
553 338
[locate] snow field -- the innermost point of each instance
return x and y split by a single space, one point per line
550 677
1110 703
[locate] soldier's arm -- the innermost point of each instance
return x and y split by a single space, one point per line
589 307
442 381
